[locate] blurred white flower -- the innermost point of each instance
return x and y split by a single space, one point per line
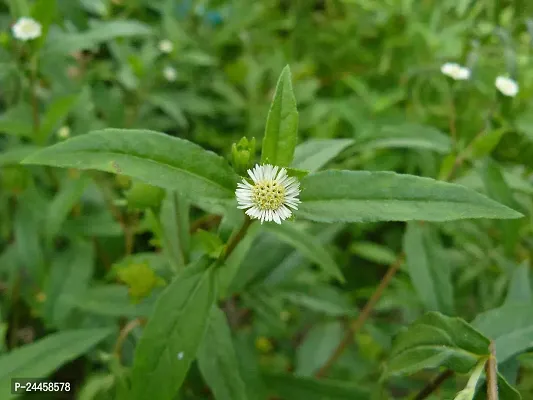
455 71
271 195
26 29
63 132
166 46
506 86
170 73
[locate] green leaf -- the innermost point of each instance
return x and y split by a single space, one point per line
484 144
510 326
249 366
227 273
436 340
151 157
359 196
520 285
17 121
175 228
44 11
427 267
45 356
406 135
318 346
505 390
322 299
373 252
281 131
217 360
208 242
70 273
308 246
18 8
62 204
26 228
498 190
314 154
110 300
68 42
56 113
173 334
300 388
16 154
166 103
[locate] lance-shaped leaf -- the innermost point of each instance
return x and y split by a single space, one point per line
358 196
173 334
217 360
45 356
436 340
314 154
428 268
152 157
510 326
281 131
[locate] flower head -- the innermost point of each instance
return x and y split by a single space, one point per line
455 71
271 196
506 86
170 73
27 29
166 46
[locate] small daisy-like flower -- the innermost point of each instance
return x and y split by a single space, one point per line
506 86
271 196
170 73
27 29
455 71
166 46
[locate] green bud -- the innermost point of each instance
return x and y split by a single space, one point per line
142 196
242 155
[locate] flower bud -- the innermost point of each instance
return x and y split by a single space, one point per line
242 154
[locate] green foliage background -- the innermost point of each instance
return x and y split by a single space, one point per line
118 273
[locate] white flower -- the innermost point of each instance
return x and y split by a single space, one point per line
63 132
170 73
166 46
455 71
271 196
26 29
506 86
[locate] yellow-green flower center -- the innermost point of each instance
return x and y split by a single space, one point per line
268 195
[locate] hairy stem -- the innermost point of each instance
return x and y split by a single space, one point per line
491 374
124 332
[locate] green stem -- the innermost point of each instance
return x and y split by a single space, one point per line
235 239
34 99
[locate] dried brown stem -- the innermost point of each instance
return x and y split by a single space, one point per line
361 319
434 385
124 332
